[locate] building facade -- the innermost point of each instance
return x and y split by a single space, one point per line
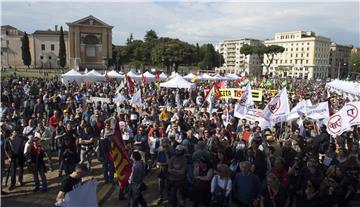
340 56
234 61
45 48
306 55
90 42
88 45
11 47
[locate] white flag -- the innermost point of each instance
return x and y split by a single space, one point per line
246 102
119 99
278 109
339 122
136 99
319 111
210 98
299 109
84 195
177 99
353 112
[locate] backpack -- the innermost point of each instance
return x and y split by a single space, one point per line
219 194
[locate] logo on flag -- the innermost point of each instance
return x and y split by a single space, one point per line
335 124
275 107
352 112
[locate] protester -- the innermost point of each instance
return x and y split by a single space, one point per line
186 141
70 183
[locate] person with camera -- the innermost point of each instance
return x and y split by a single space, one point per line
86 142
45 137
37 164
69 156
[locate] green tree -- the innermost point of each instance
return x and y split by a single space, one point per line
62 49
150 36
129 39
25 50
261 50
172 53
150 41
246 50
355 62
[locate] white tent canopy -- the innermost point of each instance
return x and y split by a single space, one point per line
177 82
348 89
173 74
93 76
189 76
114 74
206 76
162 76
219 77
232 76
133 75
148 75
72 76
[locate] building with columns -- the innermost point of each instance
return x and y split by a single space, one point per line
90 41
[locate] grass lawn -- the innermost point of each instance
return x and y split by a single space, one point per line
32 73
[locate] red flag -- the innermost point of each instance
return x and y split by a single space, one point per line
143 79
217 93
157 76
131 84
119 156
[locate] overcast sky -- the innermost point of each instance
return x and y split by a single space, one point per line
199 22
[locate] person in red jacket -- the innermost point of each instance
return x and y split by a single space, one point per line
280 172
53 123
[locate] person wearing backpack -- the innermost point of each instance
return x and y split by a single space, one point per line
221 187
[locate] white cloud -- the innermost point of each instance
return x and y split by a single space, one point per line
195 21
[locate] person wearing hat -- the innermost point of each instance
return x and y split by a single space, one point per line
162 160
177 175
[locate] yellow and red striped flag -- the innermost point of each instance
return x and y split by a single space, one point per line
119 156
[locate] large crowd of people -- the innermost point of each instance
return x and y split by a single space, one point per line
201 158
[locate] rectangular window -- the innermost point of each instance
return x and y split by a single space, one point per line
42 47
41 57
308 49
52 47
290 61
49 57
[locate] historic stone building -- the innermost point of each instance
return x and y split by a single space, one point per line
90 42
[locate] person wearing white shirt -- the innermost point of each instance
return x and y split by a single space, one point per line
29 130
221 186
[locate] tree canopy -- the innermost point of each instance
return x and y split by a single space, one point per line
165 52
